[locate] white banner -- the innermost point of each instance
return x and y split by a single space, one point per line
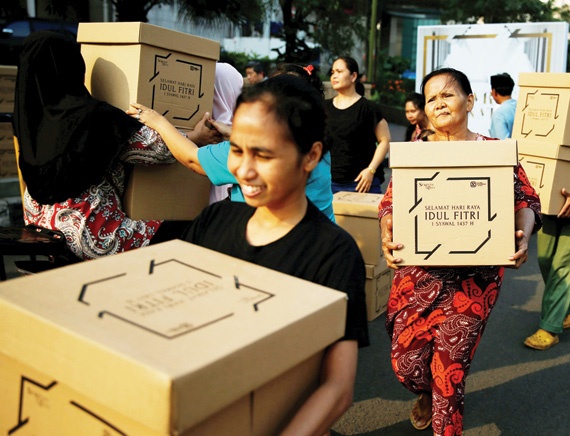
482 50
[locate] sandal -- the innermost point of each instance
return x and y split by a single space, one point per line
566 323
416 413
541 340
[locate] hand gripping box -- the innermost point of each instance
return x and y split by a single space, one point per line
453 202
171 339
543 108
357 213
169 71
548 169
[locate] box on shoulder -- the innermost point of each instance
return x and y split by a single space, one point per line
171 72
547 167
378 283
453 202
7 87
357 213
543 108
166 339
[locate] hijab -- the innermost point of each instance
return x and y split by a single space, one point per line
228 83
68 140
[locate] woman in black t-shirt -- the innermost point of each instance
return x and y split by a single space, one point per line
357 133
276 141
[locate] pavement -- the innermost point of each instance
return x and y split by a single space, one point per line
511 390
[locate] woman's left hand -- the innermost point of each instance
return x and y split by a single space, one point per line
520 257
364 180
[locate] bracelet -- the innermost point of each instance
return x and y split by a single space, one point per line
372 170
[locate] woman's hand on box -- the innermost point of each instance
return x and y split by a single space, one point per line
388 246
565 211
147 116
204 132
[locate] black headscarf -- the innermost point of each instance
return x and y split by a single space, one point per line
68 140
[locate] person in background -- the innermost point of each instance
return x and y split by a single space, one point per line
211 160
228 83
357 133
419 124
504 116
553 243
255 72
436 316
276 141
75 153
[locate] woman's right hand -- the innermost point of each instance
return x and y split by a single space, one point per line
565 211
388 246
146 115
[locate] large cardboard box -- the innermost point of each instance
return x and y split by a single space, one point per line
165 192
7 87
378 283
159 341
169 71
454 202
548 169
357 213
543 108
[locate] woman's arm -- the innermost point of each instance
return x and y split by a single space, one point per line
334 395
366 176
565 211
185 150
524 224
388 245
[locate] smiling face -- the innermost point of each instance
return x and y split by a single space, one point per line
265 160
447 105
341 77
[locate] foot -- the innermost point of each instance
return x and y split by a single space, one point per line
541 340
420 416
566 323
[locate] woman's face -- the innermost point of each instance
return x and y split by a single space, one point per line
341 77
413 113
447 106
264 159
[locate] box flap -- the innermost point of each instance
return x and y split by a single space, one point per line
447 154
356 204
532 147
545 80
167 334
144 33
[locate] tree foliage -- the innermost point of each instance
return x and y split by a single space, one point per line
493 11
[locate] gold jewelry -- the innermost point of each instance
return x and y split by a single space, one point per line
139 110
372 170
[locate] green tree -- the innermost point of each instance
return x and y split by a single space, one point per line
493 11
331 24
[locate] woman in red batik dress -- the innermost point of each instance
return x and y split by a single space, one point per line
436 316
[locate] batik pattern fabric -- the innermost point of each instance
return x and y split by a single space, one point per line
94 223
436 318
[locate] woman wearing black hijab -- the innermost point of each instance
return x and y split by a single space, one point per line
75 153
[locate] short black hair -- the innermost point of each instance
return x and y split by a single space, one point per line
257 66
503 84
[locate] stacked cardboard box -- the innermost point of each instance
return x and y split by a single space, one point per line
169 71
453 202
167 339
357 213
8 167
542 128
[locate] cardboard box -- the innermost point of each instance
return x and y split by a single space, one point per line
165 192
7 87
543 108
548 169
160 338
378 283
454 202
6 136
169 71
357 213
